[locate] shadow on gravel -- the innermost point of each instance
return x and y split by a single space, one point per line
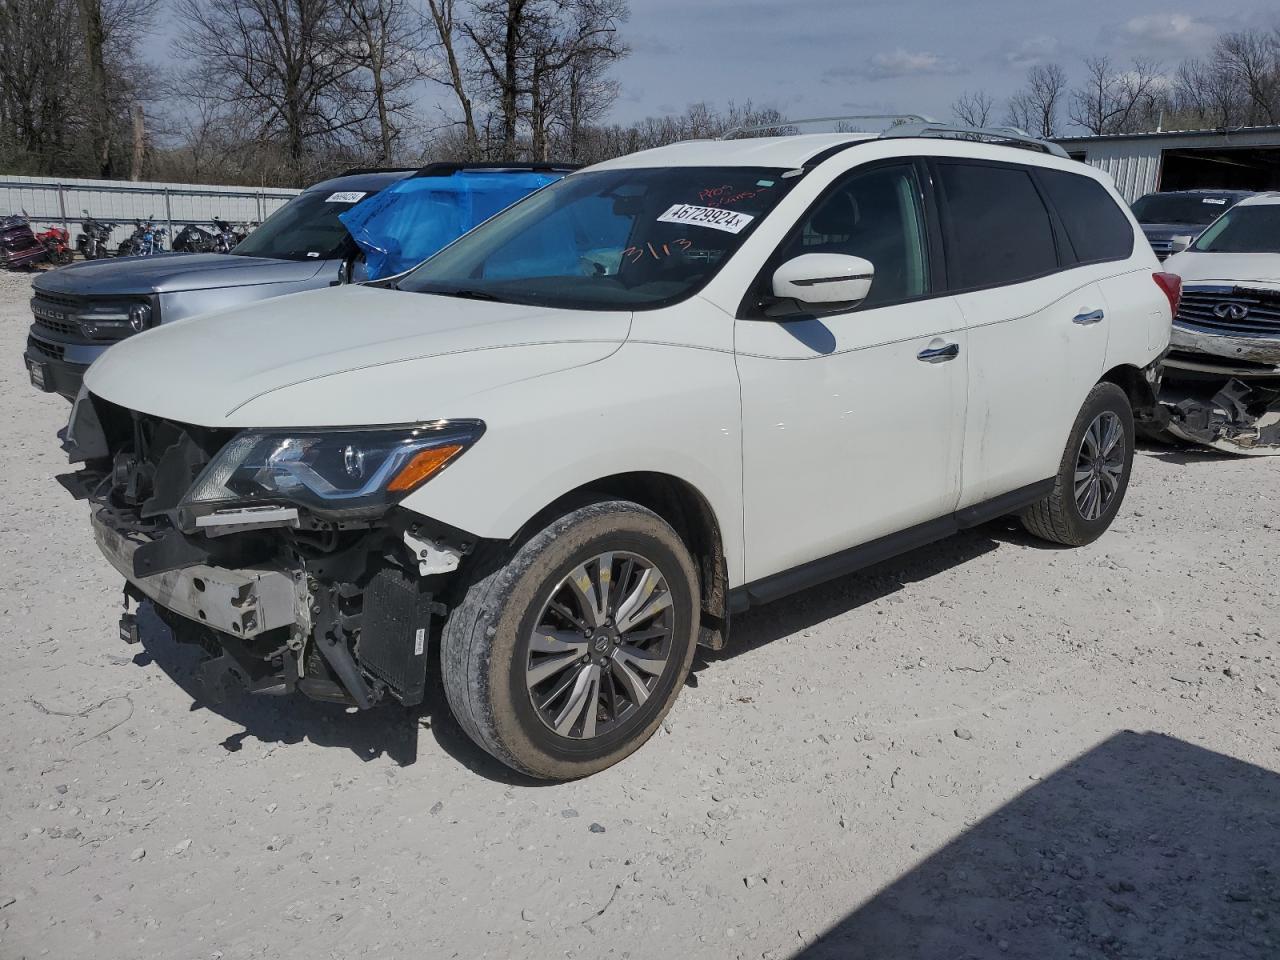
1144 847
389 730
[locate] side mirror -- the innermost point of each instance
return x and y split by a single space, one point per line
1178 244
830 280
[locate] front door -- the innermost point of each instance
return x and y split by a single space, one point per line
852 424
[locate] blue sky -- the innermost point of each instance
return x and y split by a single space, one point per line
815 57
818 57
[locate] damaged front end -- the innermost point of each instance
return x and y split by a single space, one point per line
283 554
1221 384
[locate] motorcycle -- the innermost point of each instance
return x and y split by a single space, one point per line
146 240
58 243
196 239
18 245
92 243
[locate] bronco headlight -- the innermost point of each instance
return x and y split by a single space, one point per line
347 472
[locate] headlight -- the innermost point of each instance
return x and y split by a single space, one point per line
355 472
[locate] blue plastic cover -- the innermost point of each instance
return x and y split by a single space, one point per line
404 224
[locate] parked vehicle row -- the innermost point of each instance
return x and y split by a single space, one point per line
81 310
555 456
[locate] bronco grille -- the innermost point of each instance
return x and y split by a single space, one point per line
54 351
64 327
1239 310
92 319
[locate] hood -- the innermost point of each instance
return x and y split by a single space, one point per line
267 364
173 272
1256 269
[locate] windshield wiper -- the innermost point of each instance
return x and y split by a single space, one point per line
467 294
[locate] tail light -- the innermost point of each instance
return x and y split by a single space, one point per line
1171 284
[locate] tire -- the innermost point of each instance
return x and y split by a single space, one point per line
488 667
1060 517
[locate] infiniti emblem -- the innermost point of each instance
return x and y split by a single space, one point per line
1231 311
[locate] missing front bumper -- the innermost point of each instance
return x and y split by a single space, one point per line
242 603
275 630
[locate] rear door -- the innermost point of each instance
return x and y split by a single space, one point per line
1037 330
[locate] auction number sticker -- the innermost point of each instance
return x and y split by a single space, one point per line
730 221
344 197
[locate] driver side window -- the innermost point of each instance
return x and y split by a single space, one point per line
873 214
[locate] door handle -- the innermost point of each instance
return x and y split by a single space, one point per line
1092 316
939 354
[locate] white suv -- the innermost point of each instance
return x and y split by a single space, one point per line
575 442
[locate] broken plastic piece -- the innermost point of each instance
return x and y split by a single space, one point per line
432 557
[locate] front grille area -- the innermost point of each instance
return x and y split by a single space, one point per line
73 317
51 351
1239 310
60 299
64 327
153 461
1162 248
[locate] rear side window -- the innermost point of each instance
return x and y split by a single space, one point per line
998 230
1096 227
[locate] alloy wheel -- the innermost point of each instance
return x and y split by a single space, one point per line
1099 465
600 646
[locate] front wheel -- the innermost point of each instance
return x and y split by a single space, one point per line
1093 474
563 656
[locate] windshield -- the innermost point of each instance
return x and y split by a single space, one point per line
305 228
611 239
1250 229
1197 208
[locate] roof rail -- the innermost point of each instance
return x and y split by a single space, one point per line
1011 136
913 118
449 169
353 171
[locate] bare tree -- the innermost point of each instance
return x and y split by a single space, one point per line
388 37
974 108
282 69
446 40
1036 107
1114 101
98 99
523 49
1250 62
65 103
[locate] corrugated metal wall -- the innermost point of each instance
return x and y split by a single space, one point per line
1134 162
1135 171
49 201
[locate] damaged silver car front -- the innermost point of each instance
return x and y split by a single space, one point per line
1221 385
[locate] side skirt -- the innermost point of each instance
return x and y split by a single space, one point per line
841 564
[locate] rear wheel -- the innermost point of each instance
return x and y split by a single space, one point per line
1093 474
564 655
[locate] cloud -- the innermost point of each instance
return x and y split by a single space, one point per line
899 63
1031 52
1177 32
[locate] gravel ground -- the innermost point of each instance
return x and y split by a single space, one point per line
985 748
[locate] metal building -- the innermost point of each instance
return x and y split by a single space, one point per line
1241 158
